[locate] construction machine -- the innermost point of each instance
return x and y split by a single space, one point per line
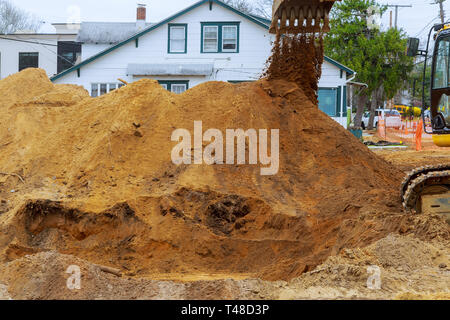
301 16
427 189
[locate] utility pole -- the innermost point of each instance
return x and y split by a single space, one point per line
441 9
390 20
396 6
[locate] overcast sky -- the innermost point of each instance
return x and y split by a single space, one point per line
412 20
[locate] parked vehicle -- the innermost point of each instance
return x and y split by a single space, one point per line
393 118
407 110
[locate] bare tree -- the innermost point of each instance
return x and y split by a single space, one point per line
13 19
263 8
241 5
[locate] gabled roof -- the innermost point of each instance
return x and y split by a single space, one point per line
265 23
153 27
339 65
262 19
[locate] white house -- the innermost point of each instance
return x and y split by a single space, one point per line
53 52
208 41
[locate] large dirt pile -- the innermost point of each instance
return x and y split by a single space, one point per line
408 269
95 180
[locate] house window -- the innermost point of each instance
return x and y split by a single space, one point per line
68 54
328 101
177 38
218 37
210 38
99 89
94 90
103 88
28 60
179 88
175 86
229 43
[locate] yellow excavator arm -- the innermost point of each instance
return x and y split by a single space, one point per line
301 16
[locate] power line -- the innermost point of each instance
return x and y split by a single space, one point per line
27 41
45 45
424 28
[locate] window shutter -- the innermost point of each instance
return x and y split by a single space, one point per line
345 101
338 101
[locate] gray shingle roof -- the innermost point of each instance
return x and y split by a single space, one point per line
107 32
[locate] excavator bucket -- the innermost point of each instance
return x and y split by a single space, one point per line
301 16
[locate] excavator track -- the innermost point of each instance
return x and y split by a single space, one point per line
425 181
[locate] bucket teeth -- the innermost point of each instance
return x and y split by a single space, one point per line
292 19
326 23
283 19
300 16
309 19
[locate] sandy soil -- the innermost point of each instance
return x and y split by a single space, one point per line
407 160
90 182
408 269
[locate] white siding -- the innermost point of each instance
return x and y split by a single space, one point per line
331 76
254 49
47 49
90 50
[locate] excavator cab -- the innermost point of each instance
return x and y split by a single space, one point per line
440 88
440 83
301 16
427 188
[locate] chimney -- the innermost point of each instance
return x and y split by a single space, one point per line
141 16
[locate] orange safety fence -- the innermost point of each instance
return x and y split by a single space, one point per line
381 128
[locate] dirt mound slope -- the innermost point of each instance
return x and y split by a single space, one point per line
408 269
61 95
95 180
24 85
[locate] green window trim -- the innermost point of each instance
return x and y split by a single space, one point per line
169 83
240 81
328 98
338 101
185 37
345 102
220 26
